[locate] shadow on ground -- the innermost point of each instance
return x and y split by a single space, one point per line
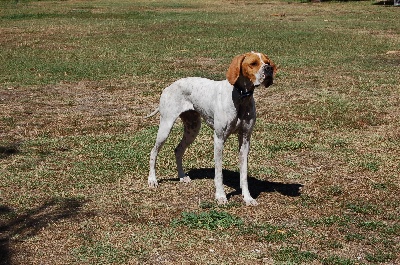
384 3
15 227
256 186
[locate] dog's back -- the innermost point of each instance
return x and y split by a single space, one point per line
194 93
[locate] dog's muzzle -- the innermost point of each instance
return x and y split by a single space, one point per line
268 70
268 73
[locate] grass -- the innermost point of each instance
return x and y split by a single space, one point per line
293 255
208 220
77 77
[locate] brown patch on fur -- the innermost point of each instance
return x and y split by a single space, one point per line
250 66
234 69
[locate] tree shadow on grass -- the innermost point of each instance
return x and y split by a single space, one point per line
256 186
6 151
15 227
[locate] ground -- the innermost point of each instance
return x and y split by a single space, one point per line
77 78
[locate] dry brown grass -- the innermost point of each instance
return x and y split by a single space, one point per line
74 146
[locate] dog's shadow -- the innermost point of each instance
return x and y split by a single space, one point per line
256 186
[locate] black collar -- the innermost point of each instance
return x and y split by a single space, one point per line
243 93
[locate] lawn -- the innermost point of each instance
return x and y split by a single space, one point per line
77 78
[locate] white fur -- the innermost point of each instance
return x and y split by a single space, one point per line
260 76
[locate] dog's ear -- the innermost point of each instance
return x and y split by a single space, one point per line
274 66
234 69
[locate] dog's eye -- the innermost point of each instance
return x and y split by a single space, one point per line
254 63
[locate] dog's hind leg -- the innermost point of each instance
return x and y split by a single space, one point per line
162 134
192 123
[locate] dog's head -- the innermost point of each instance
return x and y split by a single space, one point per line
250 70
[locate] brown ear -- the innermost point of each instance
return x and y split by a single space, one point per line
274 67
234 69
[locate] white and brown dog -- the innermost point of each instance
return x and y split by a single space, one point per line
227 106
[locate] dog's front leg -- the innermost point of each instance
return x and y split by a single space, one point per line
219 186
244 147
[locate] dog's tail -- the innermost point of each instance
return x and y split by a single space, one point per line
153 113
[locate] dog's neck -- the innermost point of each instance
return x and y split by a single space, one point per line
243 93
244 86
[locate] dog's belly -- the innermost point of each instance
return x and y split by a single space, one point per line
209 121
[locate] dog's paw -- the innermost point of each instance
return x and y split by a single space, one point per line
185 179
251 202
152 183
221 200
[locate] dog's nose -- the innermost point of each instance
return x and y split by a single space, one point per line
269 70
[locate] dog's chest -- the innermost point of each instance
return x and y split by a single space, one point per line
230 120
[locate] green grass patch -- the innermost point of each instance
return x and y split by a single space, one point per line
331 220
336 260
286 146
100 252
294 255
379 257
363 208
331 111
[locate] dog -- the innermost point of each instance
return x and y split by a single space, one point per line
227 106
